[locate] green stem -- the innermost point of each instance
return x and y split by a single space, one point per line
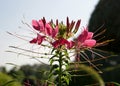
60 69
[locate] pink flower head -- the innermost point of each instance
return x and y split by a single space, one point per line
38 40
85 39
59 42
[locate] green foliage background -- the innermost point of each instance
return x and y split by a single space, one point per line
6 80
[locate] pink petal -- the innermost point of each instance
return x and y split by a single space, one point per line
56 44
55 31
90 35
40 39
57 22
83 36
70 45
44 21
68 24
33 40
35 25
42 27
89 43
63 41
77 26
48 29
59 42
71 26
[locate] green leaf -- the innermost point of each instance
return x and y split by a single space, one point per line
51 61
9 82
56 72
52 50
65 79
55 66
53 57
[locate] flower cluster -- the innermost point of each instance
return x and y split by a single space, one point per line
58 34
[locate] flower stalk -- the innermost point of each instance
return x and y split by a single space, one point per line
60 69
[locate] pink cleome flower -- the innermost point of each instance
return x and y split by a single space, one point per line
50 30
45 29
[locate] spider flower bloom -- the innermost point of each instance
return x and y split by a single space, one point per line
85 39
45 28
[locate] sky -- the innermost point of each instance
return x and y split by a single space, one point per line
12 12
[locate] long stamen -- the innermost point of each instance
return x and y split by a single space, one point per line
98 29
90 63
99 33
29 50
96 53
